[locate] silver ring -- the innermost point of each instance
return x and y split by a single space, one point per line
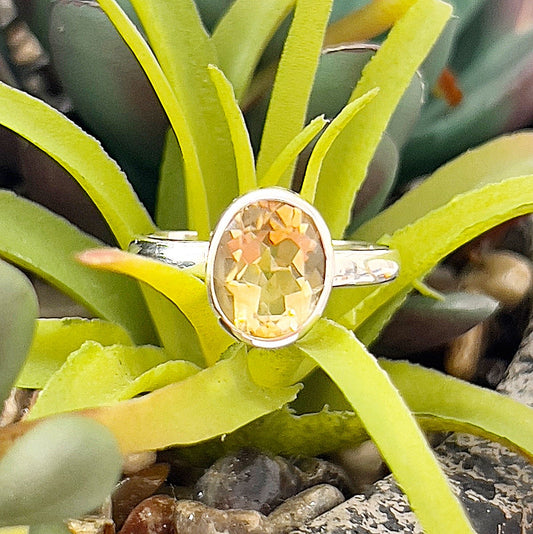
271 264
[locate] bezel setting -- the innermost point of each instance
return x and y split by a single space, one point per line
238 206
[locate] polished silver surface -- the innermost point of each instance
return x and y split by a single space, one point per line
355 263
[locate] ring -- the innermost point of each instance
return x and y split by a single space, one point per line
271 264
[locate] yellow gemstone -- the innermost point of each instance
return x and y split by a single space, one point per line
268 271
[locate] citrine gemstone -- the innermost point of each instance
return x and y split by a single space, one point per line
268 271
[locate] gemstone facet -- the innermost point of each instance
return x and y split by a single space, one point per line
269 269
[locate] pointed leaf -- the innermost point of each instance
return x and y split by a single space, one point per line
424 323
184 51
314 165
45 244
463 218
276 174
196 193
505 157
241 36
466 215
390 424
185 290
462 405
55 339
294 80
81 155
244 156
391 69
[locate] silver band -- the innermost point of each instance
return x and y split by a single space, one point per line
270 265
356 263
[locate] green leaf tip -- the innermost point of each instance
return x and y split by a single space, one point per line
391 69
389 423
244 156
327 139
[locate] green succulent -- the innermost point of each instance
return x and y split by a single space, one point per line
49 473
161 338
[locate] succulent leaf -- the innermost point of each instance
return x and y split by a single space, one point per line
505 157
492 65
341 175
55 339
196 192
241 36
171 200
188 77
424 323
276 174
48 249
107 87
379 182
242 148
81 155
294 80
326 140
390 424
370 20
68 465
462 219
95 375
17 323
185 290
321 421
213 402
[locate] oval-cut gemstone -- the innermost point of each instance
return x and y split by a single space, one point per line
268 270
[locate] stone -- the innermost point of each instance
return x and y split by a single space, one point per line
269 269
248 479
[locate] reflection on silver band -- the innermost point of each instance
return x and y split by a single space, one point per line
356 263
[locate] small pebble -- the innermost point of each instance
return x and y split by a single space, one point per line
17 405
304 507
464 353
155 515
8 13
91 525
192 517
503 275
133 489
137 461
24 47
249 480
363 465
315 471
